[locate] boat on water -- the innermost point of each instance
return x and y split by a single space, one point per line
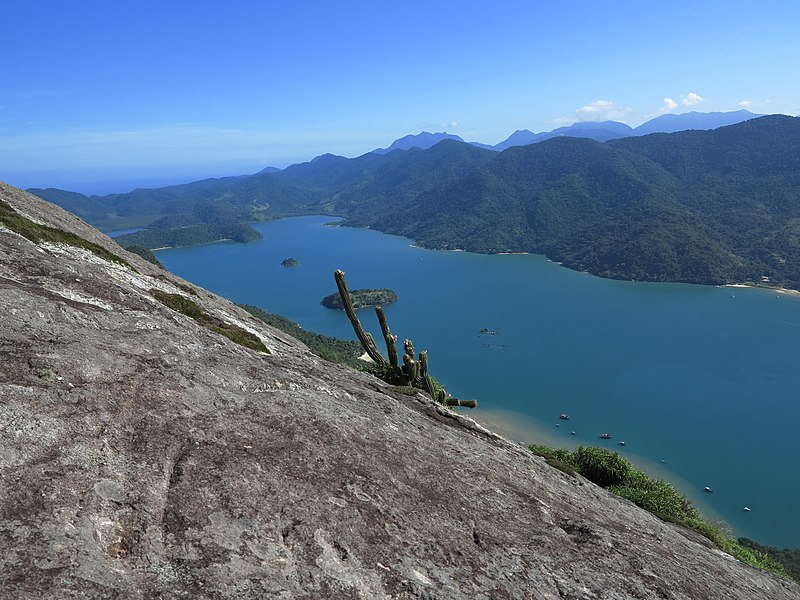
564 416
746 509
605 436
708 490
622 443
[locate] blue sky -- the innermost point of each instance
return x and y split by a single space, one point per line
102 96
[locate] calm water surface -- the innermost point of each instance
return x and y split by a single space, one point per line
700 382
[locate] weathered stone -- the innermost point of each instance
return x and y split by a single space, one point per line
162 460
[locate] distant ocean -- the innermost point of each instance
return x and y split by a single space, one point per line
702 383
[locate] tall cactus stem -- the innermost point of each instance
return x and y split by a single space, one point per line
391 340
408 346
427 382
410 369
366 340
464 403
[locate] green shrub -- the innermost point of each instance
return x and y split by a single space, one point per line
789 558
601 466
756 558
560 454
654 495
609 470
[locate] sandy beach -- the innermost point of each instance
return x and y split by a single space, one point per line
779 290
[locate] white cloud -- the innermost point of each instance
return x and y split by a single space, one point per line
670 104
595 107
753 104
602 110
450 125
692 99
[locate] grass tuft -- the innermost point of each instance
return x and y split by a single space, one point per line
191 309
37 233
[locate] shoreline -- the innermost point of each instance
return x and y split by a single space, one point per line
415 244
524 429
780 290
197 245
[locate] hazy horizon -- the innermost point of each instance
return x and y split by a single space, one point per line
105 182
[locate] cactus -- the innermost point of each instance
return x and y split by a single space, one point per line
427 382
439 394
410 366
366 339
391 340
412 372
410 369
464 403
408 346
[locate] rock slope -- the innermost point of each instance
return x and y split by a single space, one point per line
143 455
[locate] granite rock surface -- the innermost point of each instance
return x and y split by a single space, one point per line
143 455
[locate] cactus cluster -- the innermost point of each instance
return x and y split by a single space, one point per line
413 372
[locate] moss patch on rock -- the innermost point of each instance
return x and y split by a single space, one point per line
43 233
187 307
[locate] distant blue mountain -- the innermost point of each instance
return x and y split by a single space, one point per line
423 140
693 120
521 137
600 131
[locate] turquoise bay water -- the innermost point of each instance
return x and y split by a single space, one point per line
702 383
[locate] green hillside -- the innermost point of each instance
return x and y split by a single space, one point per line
711 207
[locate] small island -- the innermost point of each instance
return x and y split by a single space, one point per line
290 262
361 298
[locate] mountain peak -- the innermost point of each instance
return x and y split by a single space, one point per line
423 140
671 122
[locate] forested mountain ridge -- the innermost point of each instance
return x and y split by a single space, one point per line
713 207
720 206
577 201
744 182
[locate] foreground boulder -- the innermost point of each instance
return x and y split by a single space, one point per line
145 454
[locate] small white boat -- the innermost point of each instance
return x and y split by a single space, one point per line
746 509
708 490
